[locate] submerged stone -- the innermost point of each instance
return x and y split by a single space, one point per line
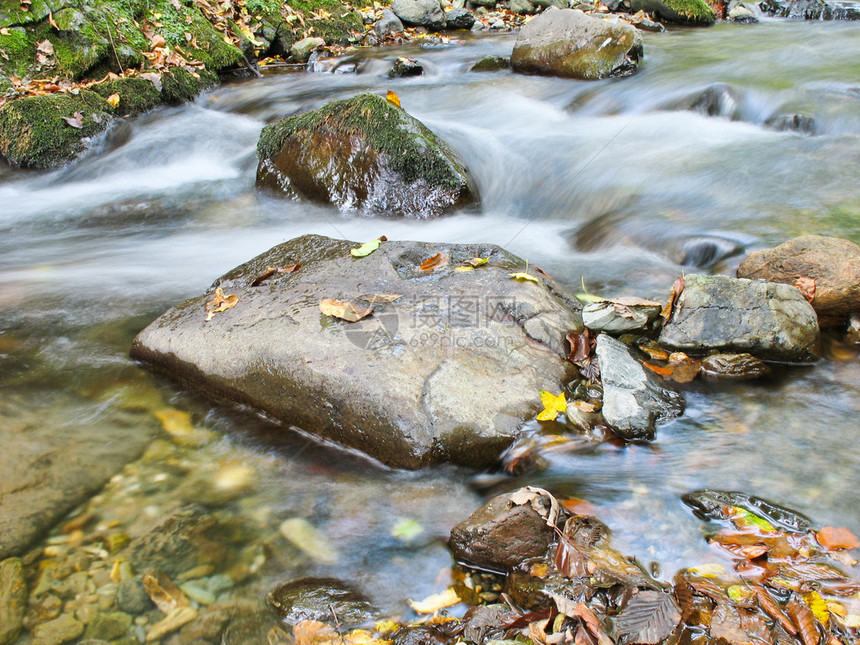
567 42
13 599
491 64
447 371
322 599
363 154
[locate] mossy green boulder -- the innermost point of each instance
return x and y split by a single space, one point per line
34 134
363 154
684 12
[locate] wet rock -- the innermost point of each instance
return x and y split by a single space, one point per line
545 4
302 49
185 539
416 382
420 13
485 623
833 263
644 23
740 13
320 599
567 42
172 622
813 9
33 133
522 7
131 597
768 320
57 631
711 504
502 533
404 67
719 99
108 626
161 590
419 636
792 123
363 154
491 64
616 318
50 464
13 599
634 398
389 23
733 367
685 12
251 627
460 18
702 251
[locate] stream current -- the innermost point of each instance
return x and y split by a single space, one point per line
604 183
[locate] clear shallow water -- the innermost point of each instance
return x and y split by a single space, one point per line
592 181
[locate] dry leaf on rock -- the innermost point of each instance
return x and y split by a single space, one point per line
220 303
806 286
343 310
76 120
668 310
270 271
368 247
435 262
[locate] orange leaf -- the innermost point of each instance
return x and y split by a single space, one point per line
804 620
220 303
270 271
662 371
393 98
668 310
837 538
806 286
436 261
579 506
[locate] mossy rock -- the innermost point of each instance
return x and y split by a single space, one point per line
363 154
181 86
136 95
685 12
33 133
12 12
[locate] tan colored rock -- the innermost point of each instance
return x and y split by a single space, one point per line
833 264
173 621
13 599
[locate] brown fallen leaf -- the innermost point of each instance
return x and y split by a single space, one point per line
220 303
837 538
656 353
52 22
806 286
76 120
374 298
435 602
343 310
772 609
804 620
435 262
46 47
270 271
579 506
684 368
668 310
581 346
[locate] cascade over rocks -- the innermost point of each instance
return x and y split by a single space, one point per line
449 371
771 321
832 263
363 154
567 42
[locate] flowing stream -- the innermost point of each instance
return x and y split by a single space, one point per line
606 184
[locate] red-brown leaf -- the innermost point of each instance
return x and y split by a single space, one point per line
772 609
837 538
804 620
806 286
669 309
436 261
580 346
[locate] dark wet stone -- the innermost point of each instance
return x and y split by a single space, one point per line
108 626
404 67
13 599
358 383
363 154
185 539
792 123
485 623
389 23
768 320
419 636
491 64
501 534
131 598
327 600
634 398
459 19
735 367
719 99
703 251
710 504
252 627
833 263
813 9
569 43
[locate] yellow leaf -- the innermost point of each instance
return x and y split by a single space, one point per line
384 626
818 606
393 98
711 570
523 276
477 262
552 404
343 310
463 269
435 602
113 99
367 248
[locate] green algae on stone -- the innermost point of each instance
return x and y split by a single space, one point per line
693 12
33 133
363 153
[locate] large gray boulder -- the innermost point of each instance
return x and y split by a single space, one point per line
449 371
567 42
420 13
769 320
634 398
363 154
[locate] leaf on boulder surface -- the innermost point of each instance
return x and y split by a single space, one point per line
552 405
220 303
45 47
368 247
669 309
435 262
435 602
837 538
523 277
648 618
76 120
569 561
270 271
343 310
392 98
538 498
806 286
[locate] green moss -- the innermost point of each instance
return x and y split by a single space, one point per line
18 50
136 95
412 150
180 86
680 11
12 13
33 133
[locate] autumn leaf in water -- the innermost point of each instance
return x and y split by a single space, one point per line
434 603
837 538
113 99
648 618
552 405
343 310
393 98
669 309
220 303
76 120
367 248
435 262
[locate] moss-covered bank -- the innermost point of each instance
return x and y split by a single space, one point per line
692 12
